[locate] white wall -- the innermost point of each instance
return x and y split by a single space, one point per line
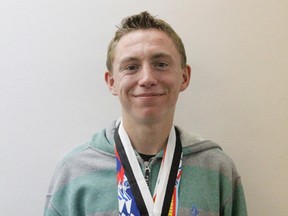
53 97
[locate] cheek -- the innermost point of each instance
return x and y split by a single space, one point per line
122 87
127 83
174 83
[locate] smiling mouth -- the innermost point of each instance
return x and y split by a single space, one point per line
147 95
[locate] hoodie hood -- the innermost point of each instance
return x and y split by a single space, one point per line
191 144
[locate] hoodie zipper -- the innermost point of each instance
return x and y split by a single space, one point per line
147 170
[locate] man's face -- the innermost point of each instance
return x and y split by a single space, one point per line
147 75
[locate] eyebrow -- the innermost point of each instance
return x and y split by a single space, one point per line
128 59
155 56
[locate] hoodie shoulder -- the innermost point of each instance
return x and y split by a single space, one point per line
206 154
101 141
194 143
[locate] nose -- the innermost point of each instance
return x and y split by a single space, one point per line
147 77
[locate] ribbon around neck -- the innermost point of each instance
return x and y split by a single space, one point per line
134 196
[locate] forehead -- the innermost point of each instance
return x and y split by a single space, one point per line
145 42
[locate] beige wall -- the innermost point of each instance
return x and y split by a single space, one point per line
53 97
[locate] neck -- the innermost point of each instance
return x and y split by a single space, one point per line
148 138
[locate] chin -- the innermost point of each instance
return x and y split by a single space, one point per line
150 118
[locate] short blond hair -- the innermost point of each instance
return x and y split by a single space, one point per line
141 21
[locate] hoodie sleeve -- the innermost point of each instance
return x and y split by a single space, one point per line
50 209
236 204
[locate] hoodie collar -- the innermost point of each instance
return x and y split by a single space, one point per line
191 144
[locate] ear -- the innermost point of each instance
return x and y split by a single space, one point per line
186 77
110 82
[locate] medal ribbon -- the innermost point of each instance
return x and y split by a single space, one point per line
133 193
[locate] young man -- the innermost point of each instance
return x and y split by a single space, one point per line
142 164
